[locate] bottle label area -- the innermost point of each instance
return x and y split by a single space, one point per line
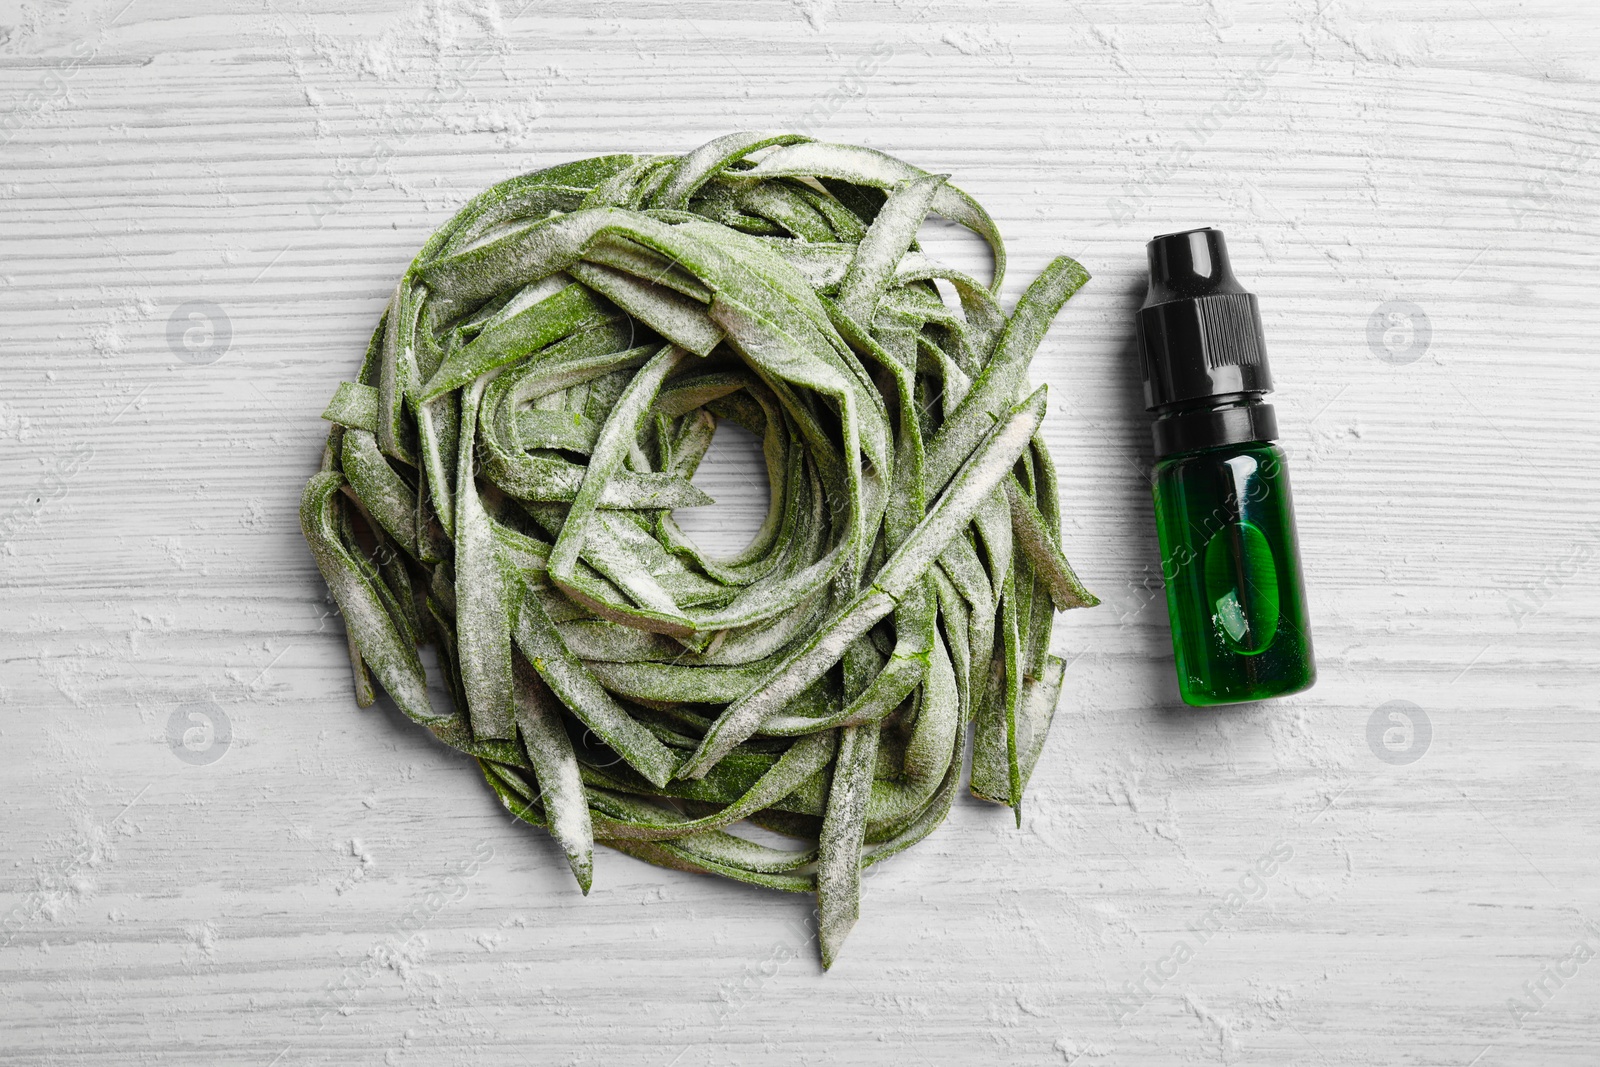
1230 561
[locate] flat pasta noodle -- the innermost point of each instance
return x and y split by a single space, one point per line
500 481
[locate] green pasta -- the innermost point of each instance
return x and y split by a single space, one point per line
500 483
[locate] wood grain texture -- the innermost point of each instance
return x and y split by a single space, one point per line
336 889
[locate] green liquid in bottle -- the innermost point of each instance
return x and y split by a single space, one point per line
1231 563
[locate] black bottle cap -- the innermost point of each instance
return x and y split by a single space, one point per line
1199 331
1201 348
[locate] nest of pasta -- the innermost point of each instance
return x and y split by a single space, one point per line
500 481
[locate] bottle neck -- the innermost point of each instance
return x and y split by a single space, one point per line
1213 422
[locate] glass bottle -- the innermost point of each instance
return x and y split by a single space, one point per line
1224 517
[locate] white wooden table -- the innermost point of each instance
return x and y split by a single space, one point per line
1413 196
